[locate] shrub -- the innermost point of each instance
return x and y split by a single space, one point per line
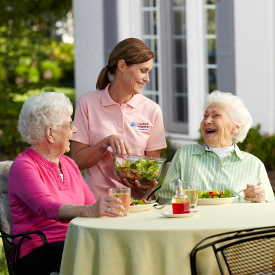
30 58
51 69
168 152
261 146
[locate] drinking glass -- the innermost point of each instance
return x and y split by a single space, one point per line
124 194
190 188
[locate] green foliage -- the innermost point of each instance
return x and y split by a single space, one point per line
3 263
11 143
261 146
168 152
39 13
200 140
52 68
69 92
253 143
31 58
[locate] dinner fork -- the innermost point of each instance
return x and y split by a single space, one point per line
160 206
245 188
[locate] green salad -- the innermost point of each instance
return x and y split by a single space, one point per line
142 170
140 202
215 194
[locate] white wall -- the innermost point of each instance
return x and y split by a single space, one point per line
89 44
254 59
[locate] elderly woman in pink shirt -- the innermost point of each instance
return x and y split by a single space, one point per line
117 115
46 188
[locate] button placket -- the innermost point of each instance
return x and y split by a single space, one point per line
218 170
121 120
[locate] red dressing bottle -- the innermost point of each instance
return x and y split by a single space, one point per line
180 202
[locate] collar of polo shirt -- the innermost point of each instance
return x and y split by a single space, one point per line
106 99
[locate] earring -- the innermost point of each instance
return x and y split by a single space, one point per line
51 141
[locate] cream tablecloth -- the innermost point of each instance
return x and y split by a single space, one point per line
148 243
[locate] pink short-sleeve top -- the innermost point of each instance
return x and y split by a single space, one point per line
139 121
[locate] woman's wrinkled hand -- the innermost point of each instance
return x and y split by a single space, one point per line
119 145
105 207
254 193
138 186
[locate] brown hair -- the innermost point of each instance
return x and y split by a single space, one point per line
131 50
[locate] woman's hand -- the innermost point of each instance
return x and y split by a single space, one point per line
138 186
254 193
87 156
105 207
119 145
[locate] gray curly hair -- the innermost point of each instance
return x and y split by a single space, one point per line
236 110
40 112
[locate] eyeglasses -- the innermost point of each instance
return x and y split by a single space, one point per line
69 126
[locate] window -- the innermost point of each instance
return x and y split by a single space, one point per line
211 64
150 38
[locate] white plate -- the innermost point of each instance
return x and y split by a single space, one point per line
186 215
216 200
140 208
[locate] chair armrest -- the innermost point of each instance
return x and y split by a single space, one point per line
26 235
153 192
12 236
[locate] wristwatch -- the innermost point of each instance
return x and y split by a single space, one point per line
105 146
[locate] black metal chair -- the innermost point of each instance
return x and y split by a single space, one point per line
12 251
248 251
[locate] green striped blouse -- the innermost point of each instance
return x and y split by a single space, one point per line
234 172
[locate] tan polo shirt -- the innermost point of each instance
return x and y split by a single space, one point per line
139 121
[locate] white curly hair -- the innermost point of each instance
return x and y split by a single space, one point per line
40 112
236 110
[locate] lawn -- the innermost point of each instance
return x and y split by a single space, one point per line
3 264
69 92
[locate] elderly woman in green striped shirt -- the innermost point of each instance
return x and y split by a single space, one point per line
219 163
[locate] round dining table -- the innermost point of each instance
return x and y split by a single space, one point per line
149 243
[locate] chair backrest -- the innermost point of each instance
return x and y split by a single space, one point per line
5 220
156 189
245 252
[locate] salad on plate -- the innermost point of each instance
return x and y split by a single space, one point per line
215 194
140 202
141 205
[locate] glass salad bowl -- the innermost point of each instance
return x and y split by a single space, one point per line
141 168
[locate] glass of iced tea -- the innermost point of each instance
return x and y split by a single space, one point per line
190 188
124 194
